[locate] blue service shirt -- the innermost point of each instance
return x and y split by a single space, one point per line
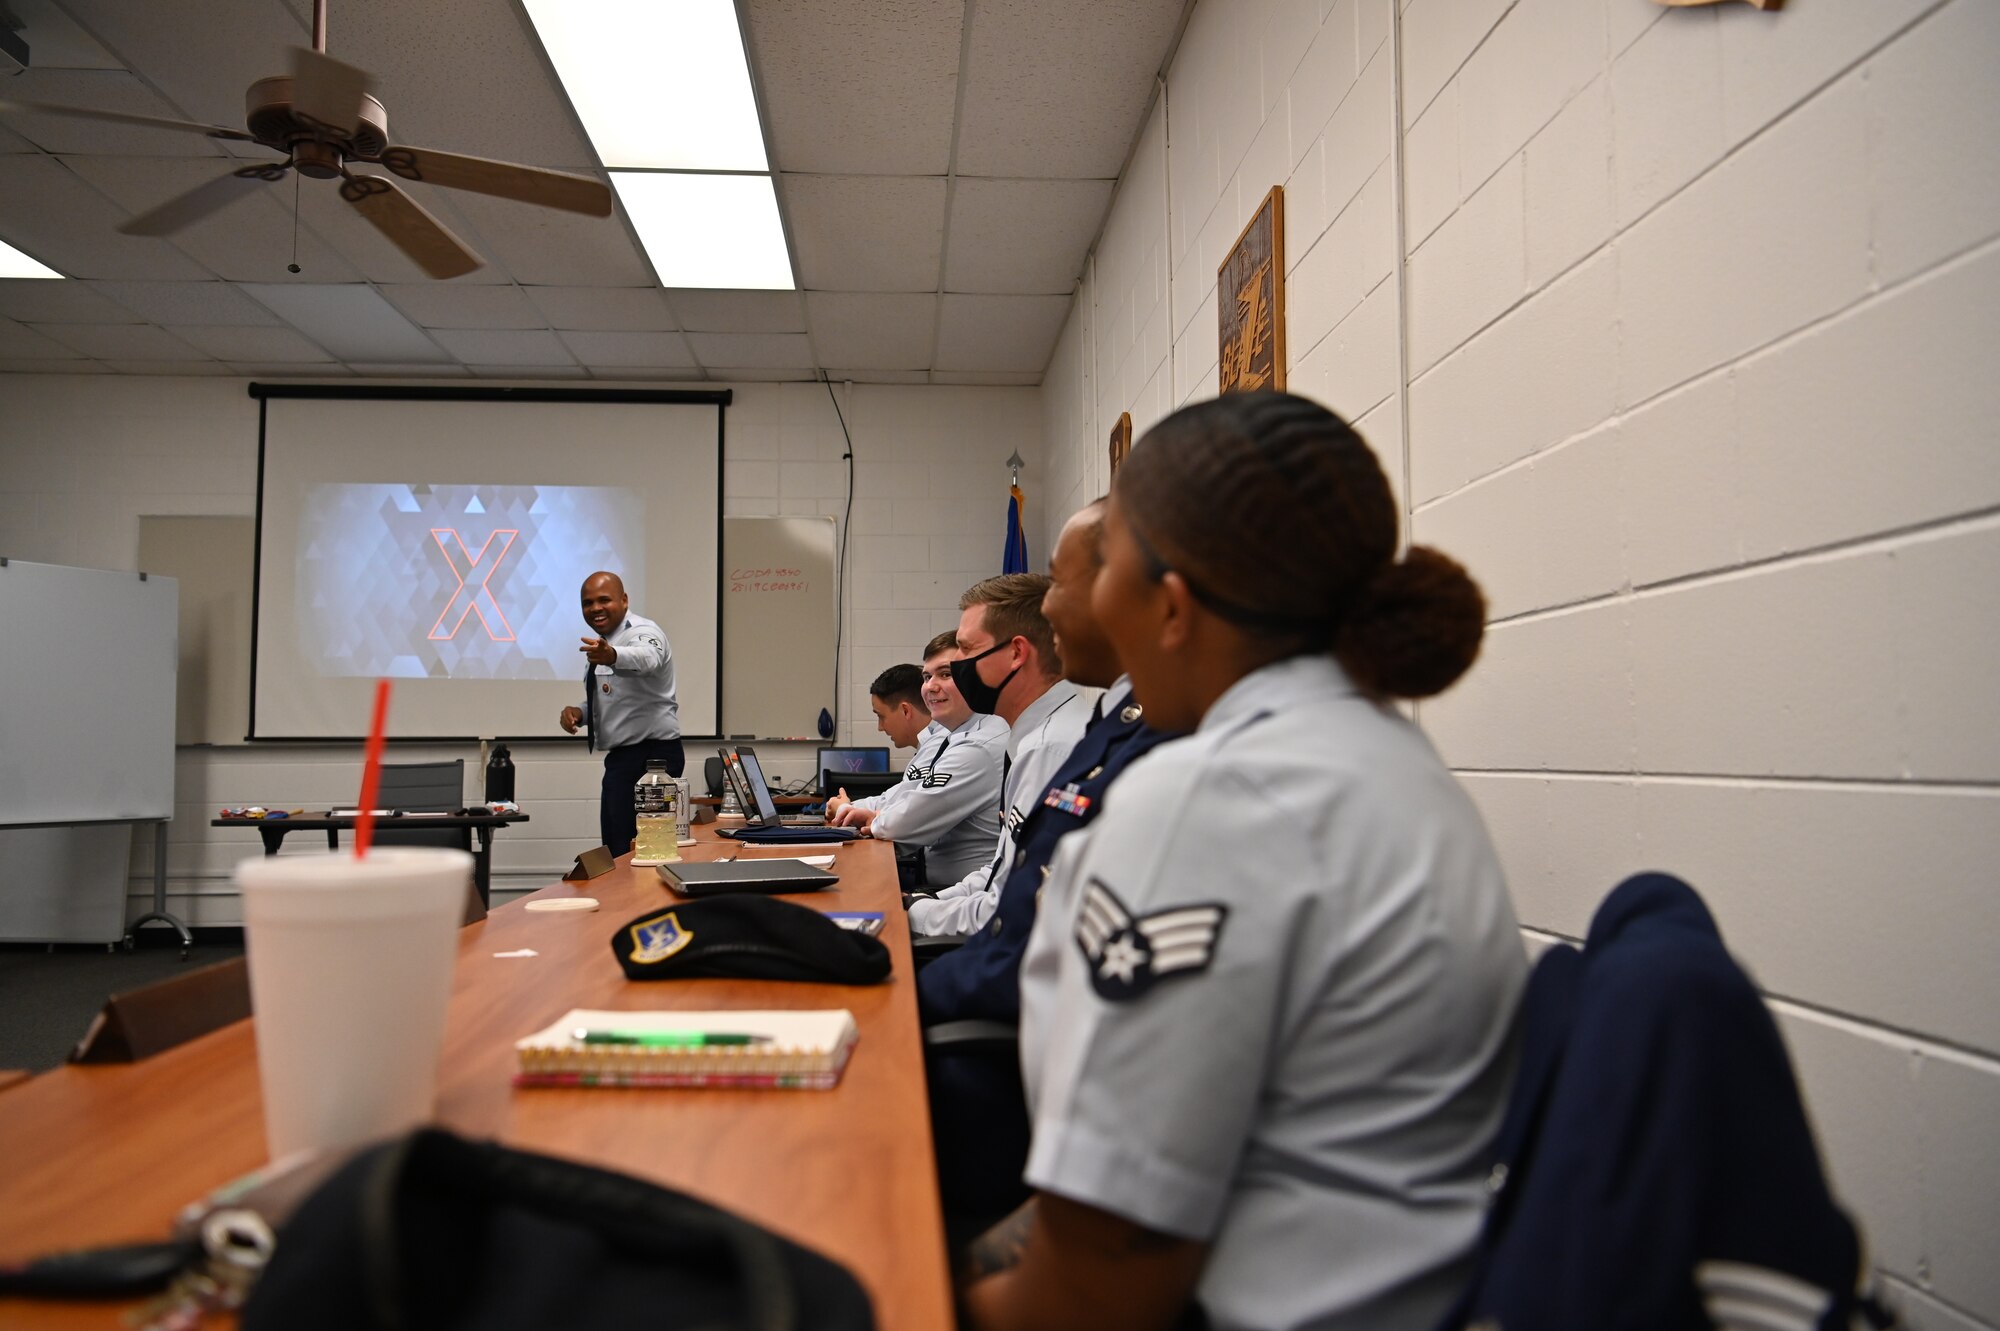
634 696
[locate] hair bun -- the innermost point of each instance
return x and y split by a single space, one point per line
1415 628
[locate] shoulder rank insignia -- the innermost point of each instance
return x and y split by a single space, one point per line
934 779
1068 800
1127 957
1014 818
657 939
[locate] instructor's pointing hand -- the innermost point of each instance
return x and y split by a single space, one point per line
572 717
599 652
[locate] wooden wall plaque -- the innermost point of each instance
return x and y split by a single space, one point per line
1250 301
1121 440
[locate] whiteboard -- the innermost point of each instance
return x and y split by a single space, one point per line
778 621
87 669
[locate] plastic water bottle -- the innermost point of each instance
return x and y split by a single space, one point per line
656 800
499 776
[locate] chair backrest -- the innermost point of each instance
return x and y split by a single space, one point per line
1655 1169
423 788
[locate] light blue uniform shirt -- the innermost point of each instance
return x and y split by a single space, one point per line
1267 1005
634 696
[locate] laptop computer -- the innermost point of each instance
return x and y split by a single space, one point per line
718 876
761 823
837 765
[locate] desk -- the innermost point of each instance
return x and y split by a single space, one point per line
273 831
107 1153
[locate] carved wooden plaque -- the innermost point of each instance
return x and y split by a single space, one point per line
1250 301
1121 440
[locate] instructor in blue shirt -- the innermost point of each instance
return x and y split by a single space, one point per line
628 707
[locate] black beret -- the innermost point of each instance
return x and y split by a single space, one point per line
749 938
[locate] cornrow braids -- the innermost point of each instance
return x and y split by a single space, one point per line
1281 521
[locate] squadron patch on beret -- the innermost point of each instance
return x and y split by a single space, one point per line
657 939
1129 956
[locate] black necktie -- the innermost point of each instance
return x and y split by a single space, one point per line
590 707
1096 712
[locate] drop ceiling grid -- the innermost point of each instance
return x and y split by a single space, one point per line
859 95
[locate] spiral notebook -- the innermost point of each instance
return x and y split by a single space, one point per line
793 1050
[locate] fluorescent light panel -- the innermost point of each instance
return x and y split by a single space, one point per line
13 263
657 83
708 231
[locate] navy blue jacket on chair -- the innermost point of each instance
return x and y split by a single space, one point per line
1656 1170
982 978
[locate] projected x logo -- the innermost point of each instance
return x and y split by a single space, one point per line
473 598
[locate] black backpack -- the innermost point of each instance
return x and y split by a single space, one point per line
434 1233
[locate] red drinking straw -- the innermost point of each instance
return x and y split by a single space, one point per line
371 772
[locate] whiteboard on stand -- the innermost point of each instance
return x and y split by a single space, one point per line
779 617
87 669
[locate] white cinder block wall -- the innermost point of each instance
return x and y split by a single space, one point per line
1694 346
83 456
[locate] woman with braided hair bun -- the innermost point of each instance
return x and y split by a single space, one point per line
1266 1009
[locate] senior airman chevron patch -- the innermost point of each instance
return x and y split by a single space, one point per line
1129 956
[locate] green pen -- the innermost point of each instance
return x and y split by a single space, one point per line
665 1039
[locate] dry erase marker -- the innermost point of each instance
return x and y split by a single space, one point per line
669 1039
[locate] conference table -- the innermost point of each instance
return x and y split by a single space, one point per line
104 1154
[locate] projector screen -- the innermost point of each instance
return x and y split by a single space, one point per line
440 539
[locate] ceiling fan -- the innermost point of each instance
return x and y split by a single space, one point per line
324 120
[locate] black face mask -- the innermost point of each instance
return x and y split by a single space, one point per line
980 696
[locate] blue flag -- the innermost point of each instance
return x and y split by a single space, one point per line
1014 559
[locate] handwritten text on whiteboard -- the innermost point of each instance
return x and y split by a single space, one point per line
770 578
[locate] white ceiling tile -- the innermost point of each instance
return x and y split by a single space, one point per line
547 247
10 142
866 233
464 76
121 341
55 39
20 342
999 332
182 368
690 374
722 311
274 346
881 332
858 87
202 59
496 347
449 305
997 378
38 300
629 350
48 211
1022 237
103 90
352 322
281 370
250 240
188 304
880 376
612 309
11 365
1056 88
765 351
392 370
529 373
761 375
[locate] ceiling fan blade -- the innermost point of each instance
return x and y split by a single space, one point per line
202 200
409 228
326 90
505 180
121 118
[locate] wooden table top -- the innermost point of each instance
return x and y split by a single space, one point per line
106 1154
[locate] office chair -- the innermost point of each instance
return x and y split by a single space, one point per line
422 788
1655 1168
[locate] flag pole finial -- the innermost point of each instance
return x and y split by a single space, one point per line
1015 462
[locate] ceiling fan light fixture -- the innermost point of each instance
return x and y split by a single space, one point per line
659 86
13 263
708 230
